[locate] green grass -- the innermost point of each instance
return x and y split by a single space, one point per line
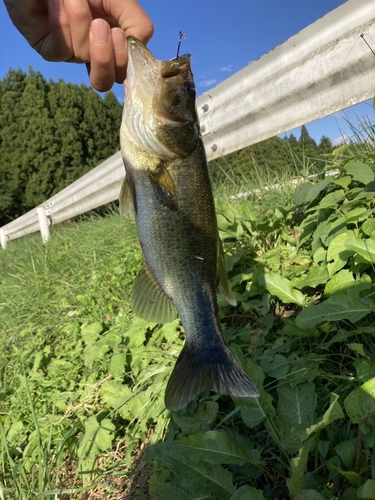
82 380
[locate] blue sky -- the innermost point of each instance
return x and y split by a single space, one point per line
222 36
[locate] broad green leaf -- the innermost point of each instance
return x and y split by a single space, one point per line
97 436
200 421
282 288
321 234
94 352
332 199
333 413
136 334
163 485
112 339
16 433
247 493
354 216
117 364
360 172
297 405
135 407
216 447
172 456
91 332
255 410
354 346
59 367
339 283
346 451
115 394
343 181
336 308
298 468
308 495
368 226
319 256
365 370
337 253
315 276
291 439
365 248
299 463
367 491
276 368
360 405
306 193
352 477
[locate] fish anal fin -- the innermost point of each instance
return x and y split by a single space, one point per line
149 301
223 283
213 369
163 185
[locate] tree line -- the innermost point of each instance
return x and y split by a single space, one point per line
274 158
52 133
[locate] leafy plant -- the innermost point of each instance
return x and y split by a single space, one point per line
82 380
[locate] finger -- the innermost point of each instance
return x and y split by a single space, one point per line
102 59
120 53
132 19
79 18
57 45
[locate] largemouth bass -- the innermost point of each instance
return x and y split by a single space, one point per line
167 183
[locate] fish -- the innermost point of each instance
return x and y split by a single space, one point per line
167 185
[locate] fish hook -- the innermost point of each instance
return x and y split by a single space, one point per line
182 35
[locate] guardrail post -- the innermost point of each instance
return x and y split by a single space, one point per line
3 238
43 223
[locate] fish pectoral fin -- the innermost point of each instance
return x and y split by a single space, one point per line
163 185
223 285
149 301
126 198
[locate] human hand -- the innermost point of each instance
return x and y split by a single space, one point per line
89 31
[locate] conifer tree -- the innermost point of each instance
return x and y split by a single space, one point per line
51 133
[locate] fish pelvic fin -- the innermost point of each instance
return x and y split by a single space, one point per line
214 369
149 302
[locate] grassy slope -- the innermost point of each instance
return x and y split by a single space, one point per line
73 418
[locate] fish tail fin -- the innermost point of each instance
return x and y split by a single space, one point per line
213 369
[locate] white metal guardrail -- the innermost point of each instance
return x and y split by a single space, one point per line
323 69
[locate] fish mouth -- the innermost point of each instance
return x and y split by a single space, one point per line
143 69
146 69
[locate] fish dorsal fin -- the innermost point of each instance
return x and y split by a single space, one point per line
163 185
126 197
149 301
223 285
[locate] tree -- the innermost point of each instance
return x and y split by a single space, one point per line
51 133
274 157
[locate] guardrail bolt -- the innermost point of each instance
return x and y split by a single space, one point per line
214 148
205 108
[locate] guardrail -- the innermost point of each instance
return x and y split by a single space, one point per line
324 68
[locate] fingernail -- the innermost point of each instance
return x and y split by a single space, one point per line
118 38
100 31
